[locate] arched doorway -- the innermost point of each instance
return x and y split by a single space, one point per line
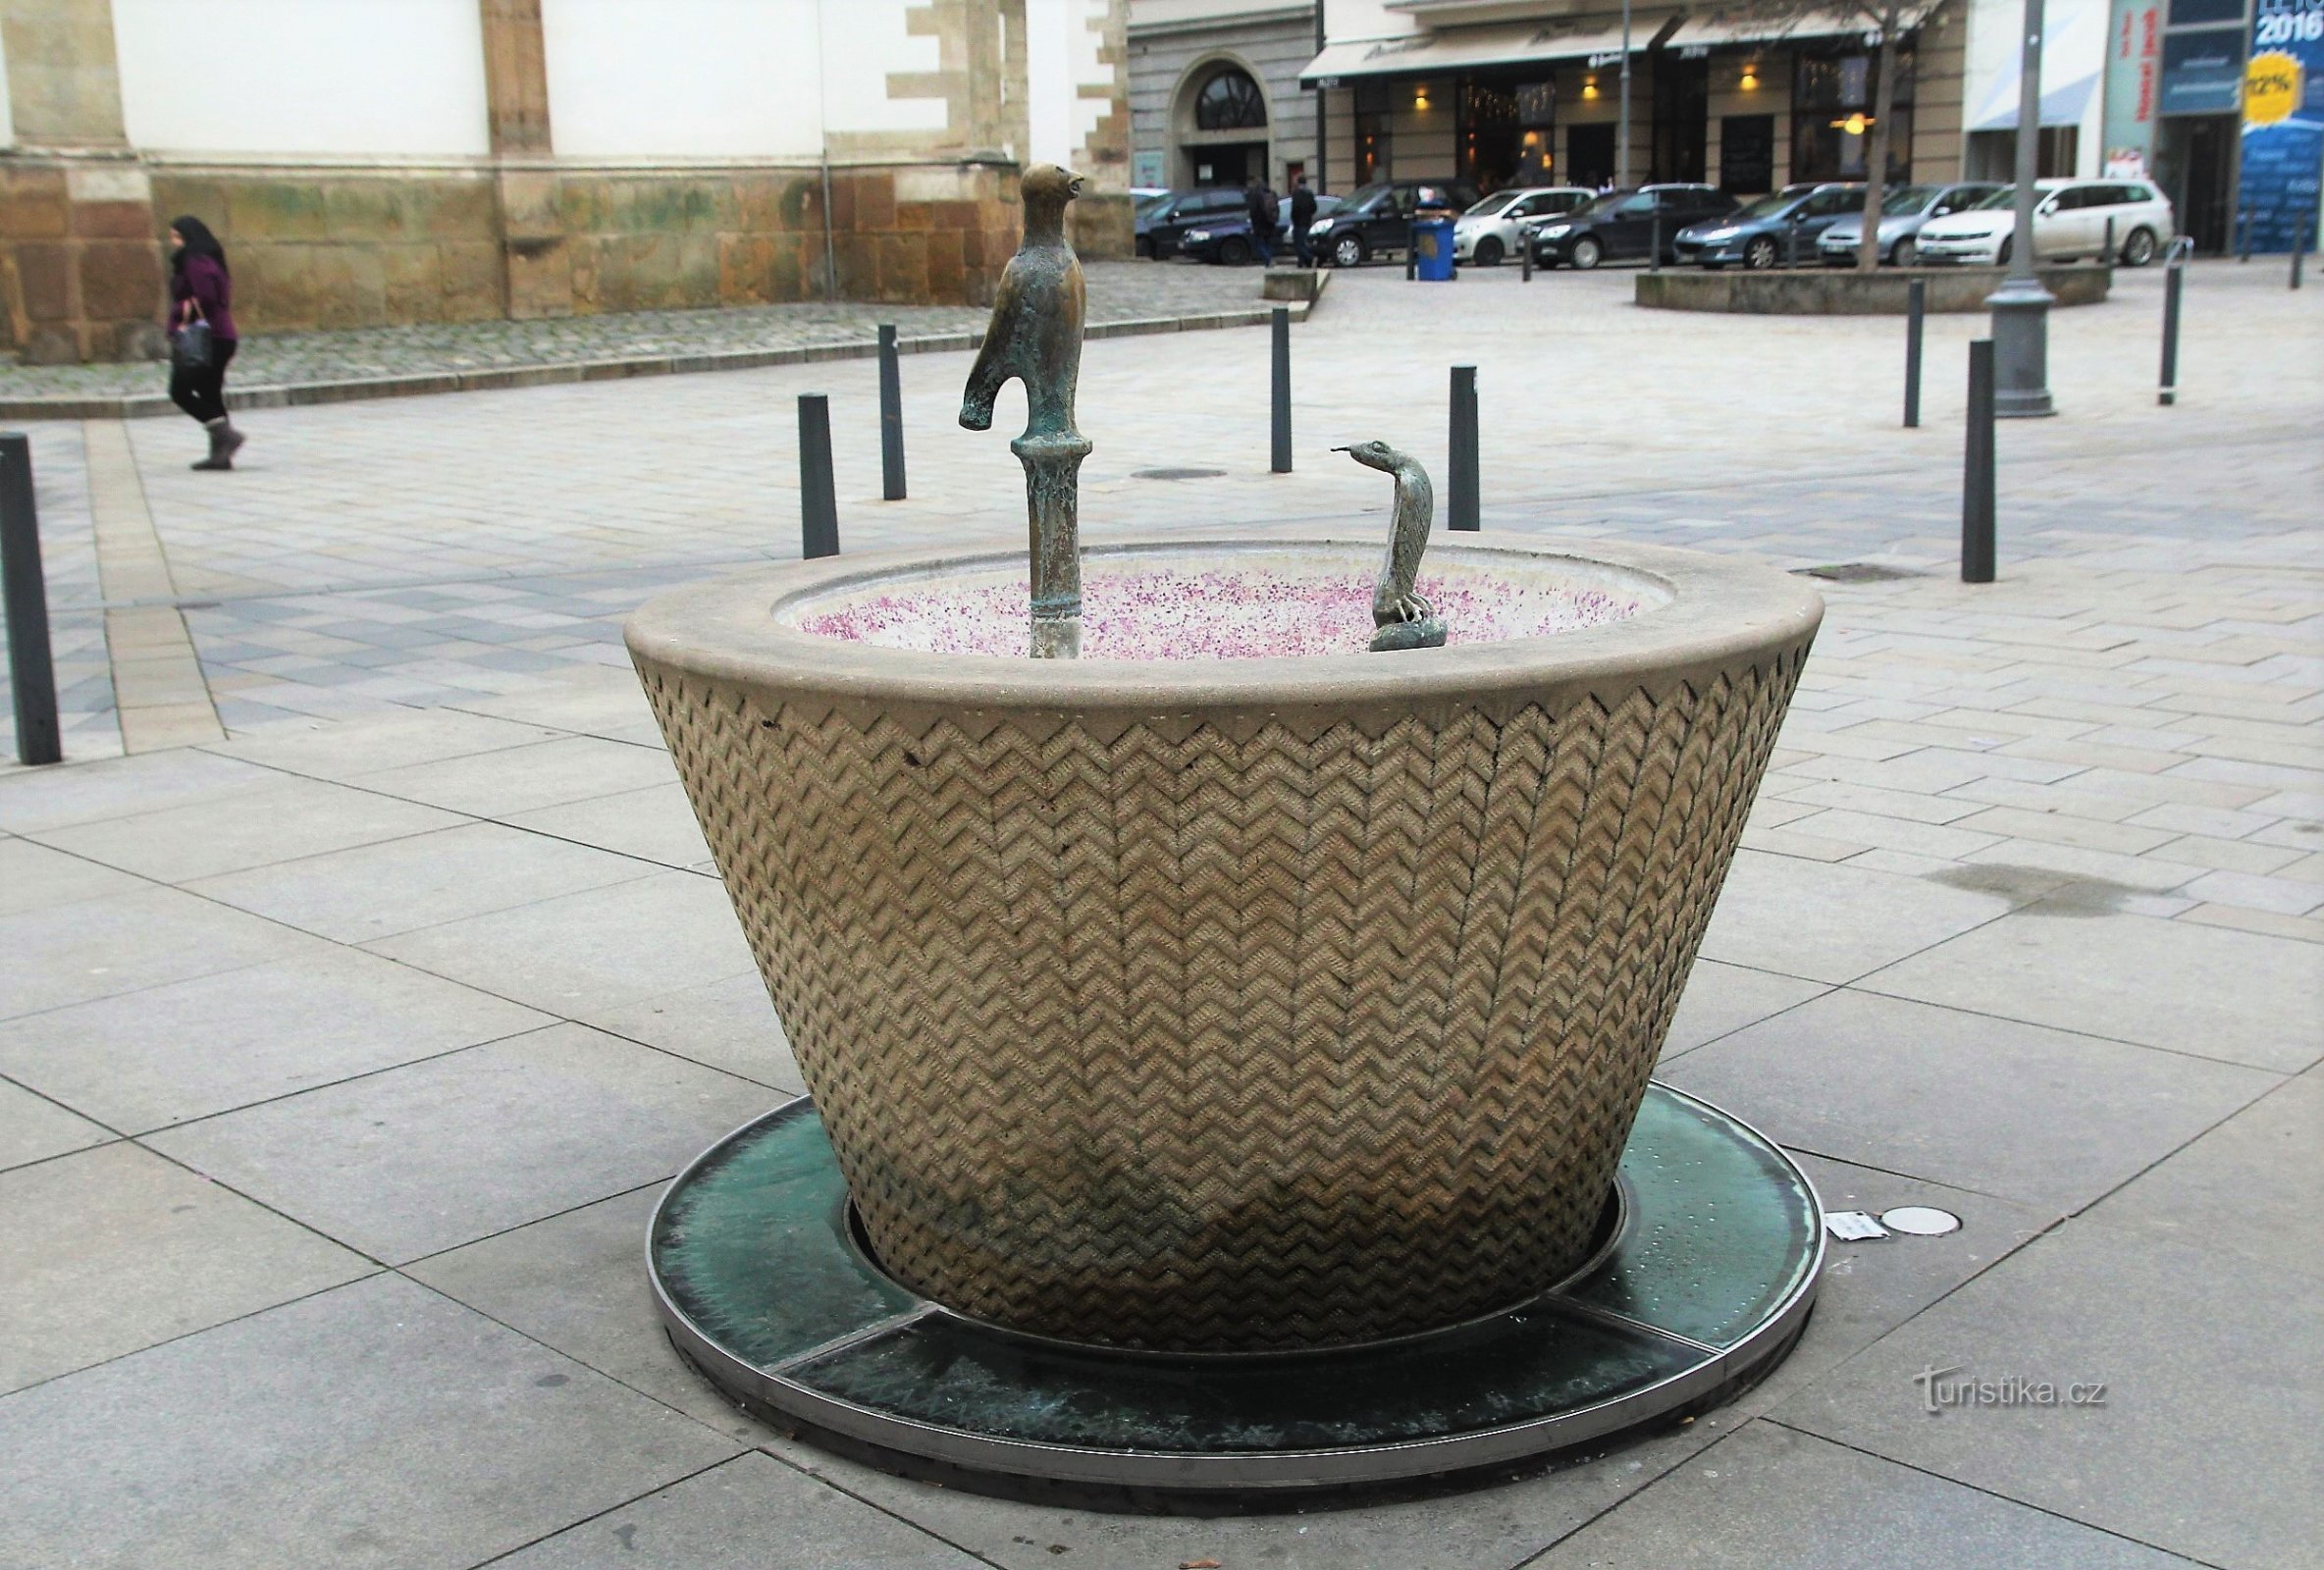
1221 126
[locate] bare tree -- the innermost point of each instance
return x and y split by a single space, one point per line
1884 24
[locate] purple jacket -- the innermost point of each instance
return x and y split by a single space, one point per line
207 284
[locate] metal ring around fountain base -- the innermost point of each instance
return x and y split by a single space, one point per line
1706 1284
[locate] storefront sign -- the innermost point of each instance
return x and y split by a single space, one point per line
2203 71
2133 65
2283 122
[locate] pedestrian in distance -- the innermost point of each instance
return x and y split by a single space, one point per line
201 291
1266 214
1302 215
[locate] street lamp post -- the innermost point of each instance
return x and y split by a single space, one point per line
2021 305
1621 139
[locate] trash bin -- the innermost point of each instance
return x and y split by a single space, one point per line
1432 248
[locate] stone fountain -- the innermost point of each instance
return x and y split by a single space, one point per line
1228 967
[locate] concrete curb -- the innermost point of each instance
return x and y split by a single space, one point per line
1830 291
502 378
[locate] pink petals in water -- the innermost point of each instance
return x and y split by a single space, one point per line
1212 615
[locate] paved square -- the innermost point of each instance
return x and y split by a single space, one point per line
344 1052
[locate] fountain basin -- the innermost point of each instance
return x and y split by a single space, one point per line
1235 1002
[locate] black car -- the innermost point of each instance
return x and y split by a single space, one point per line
1227 239
1169 217
1620 226
1377 219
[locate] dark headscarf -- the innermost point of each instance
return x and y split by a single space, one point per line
199 241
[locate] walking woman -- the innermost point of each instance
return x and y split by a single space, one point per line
202 291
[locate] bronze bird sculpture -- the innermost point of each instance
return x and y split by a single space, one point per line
1404 619
1035 337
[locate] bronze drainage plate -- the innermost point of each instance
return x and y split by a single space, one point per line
1705 1280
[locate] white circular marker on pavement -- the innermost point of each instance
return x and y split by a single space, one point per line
1920 1221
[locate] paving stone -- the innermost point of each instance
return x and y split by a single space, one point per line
33 1127
31 799
2042 1115
376 891
2215 1390
1493 1528
728 1024
111 1250
377 1427
577 1282
277 823
102 947
2250 1187
189 1049
596 949
520 779
423 1158
657 824
1724 998
1833 924
2238 997
726 1515
1118 292
1785 1501
34 878
341 752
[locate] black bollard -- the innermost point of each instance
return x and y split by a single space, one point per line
2243 236
1653 256
1411 253
1282 423
891 417
2107 255
1916 308
1461 499
818 504
2174 274
1976 479
2300 244
30 668
1524 257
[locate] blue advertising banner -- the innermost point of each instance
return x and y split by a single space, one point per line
2283 122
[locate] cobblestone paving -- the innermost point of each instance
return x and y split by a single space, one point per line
1118 292
2155 617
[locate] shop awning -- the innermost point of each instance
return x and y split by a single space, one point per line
2060 106
1462 49
1710 29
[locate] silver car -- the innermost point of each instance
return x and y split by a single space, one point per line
1902 213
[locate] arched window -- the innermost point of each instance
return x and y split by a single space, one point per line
1230 101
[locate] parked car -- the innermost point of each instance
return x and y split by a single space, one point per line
1903 210
2070 219
1159 228
1227 239
1780 226
1496 226
1620 224
1377 218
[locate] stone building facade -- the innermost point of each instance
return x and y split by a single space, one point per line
1747 97
379 162
1179 50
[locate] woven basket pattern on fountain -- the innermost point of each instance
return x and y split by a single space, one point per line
1170 1039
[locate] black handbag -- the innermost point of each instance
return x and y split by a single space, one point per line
192 349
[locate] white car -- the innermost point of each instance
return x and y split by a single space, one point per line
2071 218
1495 226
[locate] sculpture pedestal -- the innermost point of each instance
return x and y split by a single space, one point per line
1701 1280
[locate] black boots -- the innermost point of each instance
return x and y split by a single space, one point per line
225 442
